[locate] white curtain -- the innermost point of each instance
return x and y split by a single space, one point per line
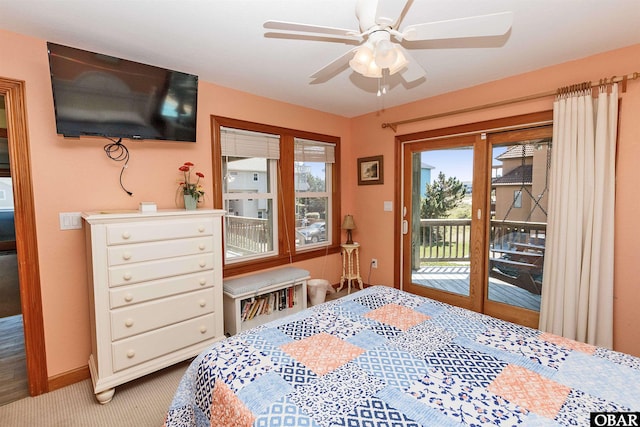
577 296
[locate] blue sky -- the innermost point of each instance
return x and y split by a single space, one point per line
458 162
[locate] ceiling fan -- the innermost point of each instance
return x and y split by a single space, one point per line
380 51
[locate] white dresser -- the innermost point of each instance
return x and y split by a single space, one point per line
155 287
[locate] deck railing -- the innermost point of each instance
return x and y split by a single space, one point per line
438 240
444 239
248 235
449 239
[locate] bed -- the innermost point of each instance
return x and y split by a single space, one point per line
383 357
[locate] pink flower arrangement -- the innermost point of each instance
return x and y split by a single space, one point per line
188 187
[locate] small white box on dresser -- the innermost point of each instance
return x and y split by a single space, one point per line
155 285
148 207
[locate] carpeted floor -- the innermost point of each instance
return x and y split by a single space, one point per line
139 403
9 285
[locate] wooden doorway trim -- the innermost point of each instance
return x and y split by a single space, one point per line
26 241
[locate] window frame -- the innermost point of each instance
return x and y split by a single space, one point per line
286 248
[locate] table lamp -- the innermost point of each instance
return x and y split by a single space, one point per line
349 224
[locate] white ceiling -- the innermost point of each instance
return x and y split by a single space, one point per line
224 42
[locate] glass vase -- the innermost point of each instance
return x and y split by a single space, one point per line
190 202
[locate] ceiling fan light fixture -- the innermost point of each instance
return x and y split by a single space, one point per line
386 54
363 62
361 59
373 70
377 54
399 63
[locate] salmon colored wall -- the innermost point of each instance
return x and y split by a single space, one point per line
72 175
375 227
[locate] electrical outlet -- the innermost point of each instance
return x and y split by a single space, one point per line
374 263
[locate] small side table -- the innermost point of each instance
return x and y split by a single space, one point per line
349 255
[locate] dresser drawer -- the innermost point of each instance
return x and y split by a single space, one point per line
133 294
148 346
139 318
159 269
135 232
127 254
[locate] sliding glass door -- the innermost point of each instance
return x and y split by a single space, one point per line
474 220
439 257
517 223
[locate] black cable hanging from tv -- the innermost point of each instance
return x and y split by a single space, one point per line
118 152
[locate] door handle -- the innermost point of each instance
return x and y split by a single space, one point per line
405 226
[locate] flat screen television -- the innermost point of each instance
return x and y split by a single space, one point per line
100 95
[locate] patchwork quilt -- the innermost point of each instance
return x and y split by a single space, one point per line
383 357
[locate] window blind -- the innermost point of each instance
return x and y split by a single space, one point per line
314 151
242 143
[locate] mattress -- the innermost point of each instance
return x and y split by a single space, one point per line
383 357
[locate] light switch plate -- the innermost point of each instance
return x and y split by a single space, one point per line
70 221
388 206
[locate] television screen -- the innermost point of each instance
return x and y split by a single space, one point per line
95 94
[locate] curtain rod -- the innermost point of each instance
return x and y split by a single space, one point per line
602 82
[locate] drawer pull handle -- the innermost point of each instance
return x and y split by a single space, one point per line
131 354
201 228
126 235
126 256
128 297
203 329
203 264
202 246
202 303
126 276
203 281
128 323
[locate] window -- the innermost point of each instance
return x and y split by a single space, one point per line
250 229
517 199
313 164
279 188
6 193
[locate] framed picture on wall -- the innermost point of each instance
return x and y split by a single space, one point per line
370 170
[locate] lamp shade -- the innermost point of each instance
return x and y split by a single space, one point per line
363 62
386 54
377 54
399 63
348 223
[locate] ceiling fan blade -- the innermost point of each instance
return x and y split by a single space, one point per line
413 71
307 28
494 24
334 66
388 12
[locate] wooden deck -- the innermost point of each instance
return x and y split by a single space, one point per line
456 279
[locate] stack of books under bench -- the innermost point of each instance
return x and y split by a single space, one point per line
262 297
